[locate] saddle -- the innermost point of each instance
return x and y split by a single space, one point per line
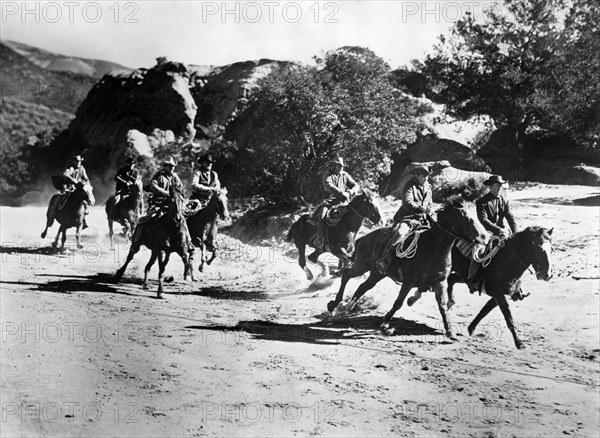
335 214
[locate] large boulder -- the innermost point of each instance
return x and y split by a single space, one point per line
430 148
501 151
562 171
121 109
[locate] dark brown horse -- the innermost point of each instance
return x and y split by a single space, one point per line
204 225
427 269
530 247
163 235
341 236
70 214
126 211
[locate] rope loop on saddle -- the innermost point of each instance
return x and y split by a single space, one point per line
485 253
335 214
404 251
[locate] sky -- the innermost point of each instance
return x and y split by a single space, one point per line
135 33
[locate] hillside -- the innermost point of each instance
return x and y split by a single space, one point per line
24 80
94 68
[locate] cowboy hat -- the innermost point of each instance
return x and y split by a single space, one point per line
78 158
494 179
168 162
130 160
420 169
206 159
337 160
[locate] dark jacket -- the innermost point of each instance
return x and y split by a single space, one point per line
491 212
416 200
125 175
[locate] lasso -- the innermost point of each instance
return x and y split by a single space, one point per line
487 258
409 252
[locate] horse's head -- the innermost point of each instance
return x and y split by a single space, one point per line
176 204
457 218
365 205
540 240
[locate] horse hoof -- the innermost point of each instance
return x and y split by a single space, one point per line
43 235
386 330
80 246
145 286
331 306
520 346
471 330
410 301
452 336
159 296
451 304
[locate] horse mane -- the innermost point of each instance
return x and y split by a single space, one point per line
454 201
527 234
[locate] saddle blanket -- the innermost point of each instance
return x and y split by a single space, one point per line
478 252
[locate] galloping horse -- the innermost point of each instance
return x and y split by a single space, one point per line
427 269
341 236
203 225
72 213
532 246
126 212
163 235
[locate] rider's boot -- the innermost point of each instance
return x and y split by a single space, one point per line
320 240
474 278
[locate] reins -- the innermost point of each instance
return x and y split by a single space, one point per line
520 261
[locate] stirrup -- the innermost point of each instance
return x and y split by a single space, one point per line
382 265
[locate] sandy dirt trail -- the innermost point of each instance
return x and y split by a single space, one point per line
249 350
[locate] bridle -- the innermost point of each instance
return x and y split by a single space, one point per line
527 266
448 231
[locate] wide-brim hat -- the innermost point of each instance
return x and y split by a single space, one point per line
494 179
206 159
130 160
420 169
168 162
77 158
338 161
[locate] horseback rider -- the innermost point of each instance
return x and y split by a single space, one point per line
338 186
161 185
74 172
492 210
205 181
417 203
125 177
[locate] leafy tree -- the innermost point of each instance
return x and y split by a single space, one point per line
493 67
344 106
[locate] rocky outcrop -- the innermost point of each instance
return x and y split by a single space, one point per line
431 148
222 92
121 109
561 171
501 151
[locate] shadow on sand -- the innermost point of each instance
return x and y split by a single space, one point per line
327 333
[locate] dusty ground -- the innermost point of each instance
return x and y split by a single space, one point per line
248 350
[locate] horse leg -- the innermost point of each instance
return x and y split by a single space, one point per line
441 297
148 267
78 235
202 257
64 238
111 233
374 277
212 257
489 306
452 280
188 269
302 259
503 304
404 290
354 270
55 243
163 259
132 252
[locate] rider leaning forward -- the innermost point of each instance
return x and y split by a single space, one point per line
338 186
74 173
125 177
417 204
